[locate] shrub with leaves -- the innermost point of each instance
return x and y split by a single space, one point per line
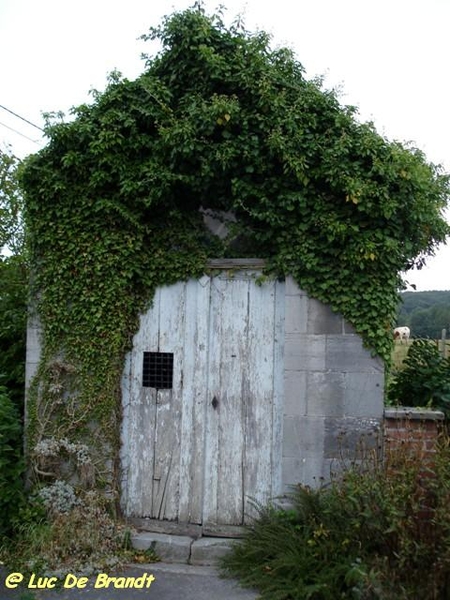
11 462
58 498
59 531
14 277
382 531
423 380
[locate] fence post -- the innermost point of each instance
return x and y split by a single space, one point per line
444 345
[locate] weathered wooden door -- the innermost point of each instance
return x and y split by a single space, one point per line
202 401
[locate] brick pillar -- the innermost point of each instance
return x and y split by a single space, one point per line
411 433
413 429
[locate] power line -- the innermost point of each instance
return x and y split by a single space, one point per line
19 117
18 133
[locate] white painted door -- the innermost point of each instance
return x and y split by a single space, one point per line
198 452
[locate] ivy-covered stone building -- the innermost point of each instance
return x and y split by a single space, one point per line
166 365
236 389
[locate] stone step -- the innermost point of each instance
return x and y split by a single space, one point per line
205 551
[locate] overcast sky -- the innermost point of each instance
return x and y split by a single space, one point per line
388 57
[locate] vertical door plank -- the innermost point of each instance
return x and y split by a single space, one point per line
224 447
278 388
166 469
211 447
257 395
194 394
141 421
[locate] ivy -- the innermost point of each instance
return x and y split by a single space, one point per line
218 120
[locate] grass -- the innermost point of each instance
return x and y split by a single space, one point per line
400 351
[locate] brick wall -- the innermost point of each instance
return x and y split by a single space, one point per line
413 429
411 434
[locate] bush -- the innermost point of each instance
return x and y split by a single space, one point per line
424 379
56 539
11 463
382 531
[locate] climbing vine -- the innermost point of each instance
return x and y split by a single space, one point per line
220 121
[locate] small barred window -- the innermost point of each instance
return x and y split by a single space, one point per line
157 370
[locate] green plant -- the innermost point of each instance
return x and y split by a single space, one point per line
296 554
50 538
13 281
11 462
381 530
11 206
146 556
13 321
423 380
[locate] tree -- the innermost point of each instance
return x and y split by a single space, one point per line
427 313
411 301
13 281
13 322
11 206
218 120
13 319
429 323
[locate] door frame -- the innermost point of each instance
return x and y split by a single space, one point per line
188 469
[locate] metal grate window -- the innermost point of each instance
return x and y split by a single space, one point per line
157 371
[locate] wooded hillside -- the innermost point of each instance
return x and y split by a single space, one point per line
426 313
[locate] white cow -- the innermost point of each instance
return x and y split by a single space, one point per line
402 333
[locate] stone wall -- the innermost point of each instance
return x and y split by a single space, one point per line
333 391
34 339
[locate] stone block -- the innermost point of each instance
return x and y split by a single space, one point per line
305 470
332 468
351 438
292 288
364 394
305 352
325 391
34 334
296 314
322 320
406 414
348 328
170 548
345 353
303 436
208 551
33 353
295 393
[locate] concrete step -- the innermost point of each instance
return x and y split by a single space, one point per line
205 551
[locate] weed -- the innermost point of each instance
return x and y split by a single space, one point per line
381 530
83 539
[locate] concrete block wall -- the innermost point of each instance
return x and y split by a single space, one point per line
333 391
33 355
